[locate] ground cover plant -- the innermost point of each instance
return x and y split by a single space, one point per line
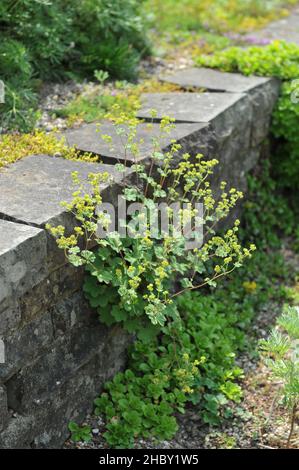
219 15
190 27
13 147
96 101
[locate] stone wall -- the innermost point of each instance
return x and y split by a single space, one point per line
57 355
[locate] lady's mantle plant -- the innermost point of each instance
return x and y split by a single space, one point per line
135 280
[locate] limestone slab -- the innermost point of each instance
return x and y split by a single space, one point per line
87 138
215 80
188 107
22 263
31 190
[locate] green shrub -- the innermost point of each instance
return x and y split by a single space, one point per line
16 72
110 35
281 60
48 39
276 220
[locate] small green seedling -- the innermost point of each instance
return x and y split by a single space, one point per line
281 353
79 433
101 75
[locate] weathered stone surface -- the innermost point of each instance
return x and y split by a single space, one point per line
188 107
32 189
26 344
44 378
286 29
3 408
10 315
88 139
45 425
18 434
72 312
22 264
51 292
215 80
262 100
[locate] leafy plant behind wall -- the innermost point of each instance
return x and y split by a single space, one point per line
281 60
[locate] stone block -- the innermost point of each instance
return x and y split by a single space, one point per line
73 312
215 80
31 190
187 107
19 433
47 417
262 100
59 285
26 344
22 260
87 138
10 315
60 361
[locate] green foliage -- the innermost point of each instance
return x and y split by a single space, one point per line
48 40
216 15
281 357
285 129
16 73
194 360
281 60
277 219
79 433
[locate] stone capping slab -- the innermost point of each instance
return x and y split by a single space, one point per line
188 107
215 80
12 235
31 190
22 259
87 139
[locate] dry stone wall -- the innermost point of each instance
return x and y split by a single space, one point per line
57 354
